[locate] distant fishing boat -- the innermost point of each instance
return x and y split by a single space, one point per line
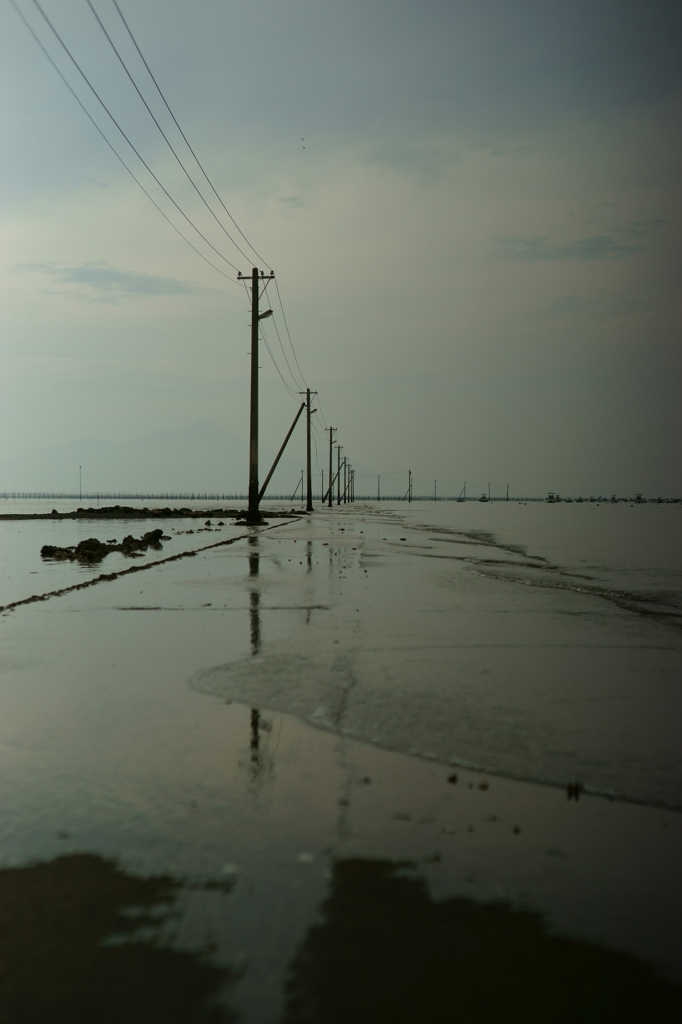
484 497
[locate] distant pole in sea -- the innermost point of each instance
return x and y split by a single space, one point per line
80 483
507 492
378 487
338 474
435 491
488 492
409 485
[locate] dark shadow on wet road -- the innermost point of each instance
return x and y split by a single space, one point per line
79 943
386 953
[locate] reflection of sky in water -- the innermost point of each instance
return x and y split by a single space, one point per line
23 572
105 748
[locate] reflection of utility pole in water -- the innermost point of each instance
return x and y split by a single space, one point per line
254 616
255 737
254 596
309 554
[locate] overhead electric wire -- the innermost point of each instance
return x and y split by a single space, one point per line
166 139
156 179
114 151
287 327
199 164
134 149
274 323
274 363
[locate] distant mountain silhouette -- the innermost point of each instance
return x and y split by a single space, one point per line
198 458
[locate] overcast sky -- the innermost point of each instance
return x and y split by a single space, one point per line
472 208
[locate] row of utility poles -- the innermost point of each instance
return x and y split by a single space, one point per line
259 283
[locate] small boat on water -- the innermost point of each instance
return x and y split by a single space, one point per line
484 497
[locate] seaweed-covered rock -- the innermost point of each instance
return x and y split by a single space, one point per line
93 550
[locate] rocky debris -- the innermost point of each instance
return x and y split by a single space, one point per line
128 512
93 550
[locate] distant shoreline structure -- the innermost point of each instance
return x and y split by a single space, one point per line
225 496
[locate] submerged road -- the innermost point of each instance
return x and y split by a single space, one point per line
243 723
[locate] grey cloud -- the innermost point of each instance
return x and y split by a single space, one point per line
606 304
106 282
293 201
595 247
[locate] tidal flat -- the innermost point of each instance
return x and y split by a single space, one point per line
382 762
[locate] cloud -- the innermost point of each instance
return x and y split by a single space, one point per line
595 247
607 304
100 281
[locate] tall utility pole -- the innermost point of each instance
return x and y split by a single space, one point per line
80 483
309 465
409 485
331 466
435 491
253 515
345 473
378 488
507 492
338 474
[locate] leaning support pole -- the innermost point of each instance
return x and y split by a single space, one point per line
280 452
330 489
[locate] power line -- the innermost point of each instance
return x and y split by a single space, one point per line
115 152
166 139
153 175
296 383
274 363
199 164
137 153
287 327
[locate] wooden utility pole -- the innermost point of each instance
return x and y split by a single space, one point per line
378 487
409 485
253 515
309 465
338 474
331 467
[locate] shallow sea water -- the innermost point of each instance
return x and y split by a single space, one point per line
241 728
